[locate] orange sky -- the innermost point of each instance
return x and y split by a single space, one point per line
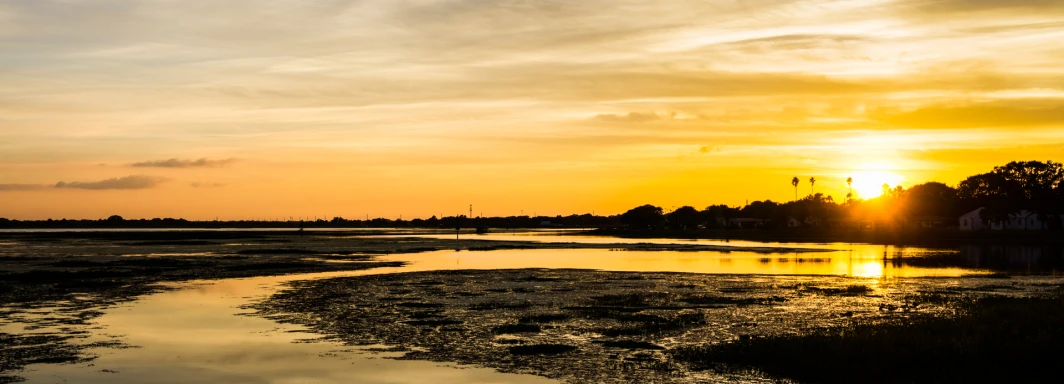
421 107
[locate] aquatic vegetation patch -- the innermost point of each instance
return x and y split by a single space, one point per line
630 344
991 340
544 317
516 328
849 290
541 349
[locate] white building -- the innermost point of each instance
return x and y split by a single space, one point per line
745 222
971 221
1023 220
793 223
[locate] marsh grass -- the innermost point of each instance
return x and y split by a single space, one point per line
495 305
433 323
633 299
544 318
630 344
850 290
541 349
653 325
516 328
994 339
727 300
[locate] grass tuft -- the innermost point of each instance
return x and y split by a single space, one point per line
541 349
994 339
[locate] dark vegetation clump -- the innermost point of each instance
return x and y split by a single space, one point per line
516 328
500 247
633 299
850 290
170 243
727 300
277 251
433 322
494 305
419 305
652 325
631 344
992 340
544 318
541 349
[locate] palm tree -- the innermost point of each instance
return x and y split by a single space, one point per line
794 182
849 182
812 183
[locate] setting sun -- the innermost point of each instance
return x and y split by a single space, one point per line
868 182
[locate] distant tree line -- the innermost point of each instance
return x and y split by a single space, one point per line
450 222
1022 185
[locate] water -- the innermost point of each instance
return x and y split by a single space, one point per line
848 259
199 333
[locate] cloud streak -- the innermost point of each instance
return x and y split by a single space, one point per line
1028 113
22 187
179 163
128 182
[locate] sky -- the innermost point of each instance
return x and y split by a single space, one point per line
265 109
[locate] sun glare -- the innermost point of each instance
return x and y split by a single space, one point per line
868 180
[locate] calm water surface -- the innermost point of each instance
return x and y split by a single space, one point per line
199 334
849 259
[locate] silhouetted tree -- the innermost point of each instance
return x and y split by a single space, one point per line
794 182
849 182
717 215
685 217
1031 185
932 198
643 217
761 210
812 184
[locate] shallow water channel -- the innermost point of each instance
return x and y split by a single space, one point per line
199 331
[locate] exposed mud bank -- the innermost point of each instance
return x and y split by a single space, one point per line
593 326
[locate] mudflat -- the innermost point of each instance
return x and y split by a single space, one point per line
584 326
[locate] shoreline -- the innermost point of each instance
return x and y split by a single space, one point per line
926 238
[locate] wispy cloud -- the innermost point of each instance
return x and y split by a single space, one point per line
631 117
1023 113
128 182
179 163
22 187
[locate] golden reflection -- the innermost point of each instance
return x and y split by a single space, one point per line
741 263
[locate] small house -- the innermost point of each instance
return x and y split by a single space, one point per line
746 222
973 221
793 223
